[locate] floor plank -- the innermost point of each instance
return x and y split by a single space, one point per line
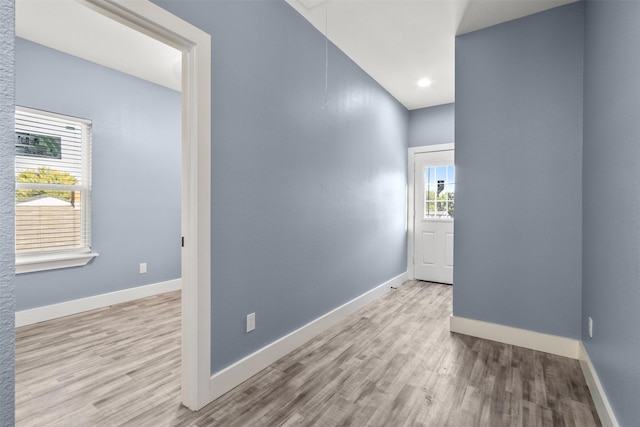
393 363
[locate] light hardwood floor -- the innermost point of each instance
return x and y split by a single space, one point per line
393 363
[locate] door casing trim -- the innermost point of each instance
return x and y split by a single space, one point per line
410 196
195 44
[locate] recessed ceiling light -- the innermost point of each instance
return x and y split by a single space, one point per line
424 82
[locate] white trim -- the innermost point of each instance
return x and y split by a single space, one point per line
607 416
30 264
234 375
553 344
54 311
448 146
195 45
410 195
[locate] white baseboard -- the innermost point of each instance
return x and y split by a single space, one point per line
54 311
232 376
607 417
553 344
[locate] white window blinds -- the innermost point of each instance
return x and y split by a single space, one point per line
53 183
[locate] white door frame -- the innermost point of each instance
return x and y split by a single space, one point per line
195 44
410 197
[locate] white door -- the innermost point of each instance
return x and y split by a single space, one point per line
434 188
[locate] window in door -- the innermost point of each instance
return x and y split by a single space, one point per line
439 184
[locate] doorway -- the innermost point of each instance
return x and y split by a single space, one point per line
195 44
431 212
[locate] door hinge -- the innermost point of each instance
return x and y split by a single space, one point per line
183 241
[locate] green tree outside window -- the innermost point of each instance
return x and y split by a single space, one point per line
45 175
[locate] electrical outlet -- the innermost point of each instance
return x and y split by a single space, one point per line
251 322
143 267
590 327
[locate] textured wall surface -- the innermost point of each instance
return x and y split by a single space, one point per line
611 201
432 125
136 173
7 150
519 175
309 188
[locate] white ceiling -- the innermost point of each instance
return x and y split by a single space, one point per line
71 27
397 42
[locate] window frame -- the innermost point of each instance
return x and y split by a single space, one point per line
65 258
448 183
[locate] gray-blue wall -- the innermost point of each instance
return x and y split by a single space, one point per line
611 201
432 125
136 173
519 175
7 248
309 204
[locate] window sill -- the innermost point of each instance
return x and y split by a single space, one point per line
30 264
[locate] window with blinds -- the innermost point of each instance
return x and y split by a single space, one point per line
53 183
